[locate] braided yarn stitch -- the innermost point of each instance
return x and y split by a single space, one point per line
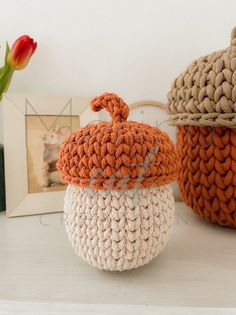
207 172
202 103
119 229
117 154
205 94
119 207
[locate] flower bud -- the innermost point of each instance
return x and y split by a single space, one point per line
21 52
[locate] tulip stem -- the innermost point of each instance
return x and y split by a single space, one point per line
6 73
5 80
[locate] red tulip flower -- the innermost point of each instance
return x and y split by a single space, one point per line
16 58
21 52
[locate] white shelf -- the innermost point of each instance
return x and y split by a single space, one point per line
39 271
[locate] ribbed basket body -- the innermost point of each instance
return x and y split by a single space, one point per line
118 229
207 172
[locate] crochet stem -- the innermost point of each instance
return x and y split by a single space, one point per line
115 105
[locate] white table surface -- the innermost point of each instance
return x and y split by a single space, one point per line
41 274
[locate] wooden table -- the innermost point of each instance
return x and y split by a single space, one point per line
41 274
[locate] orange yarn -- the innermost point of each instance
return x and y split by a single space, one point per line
117 108
207 172
117 154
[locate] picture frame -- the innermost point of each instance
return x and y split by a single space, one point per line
18 111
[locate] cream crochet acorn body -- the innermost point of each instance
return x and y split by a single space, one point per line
119 207
118 229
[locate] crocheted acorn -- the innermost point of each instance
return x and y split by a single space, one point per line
202 103
119 207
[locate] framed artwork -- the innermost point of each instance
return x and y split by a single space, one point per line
34 128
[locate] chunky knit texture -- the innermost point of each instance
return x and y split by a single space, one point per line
207 172
202 103
117 215
118 229
117 154
205 94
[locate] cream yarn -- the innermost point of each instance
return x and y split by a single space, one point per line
118 207
118 229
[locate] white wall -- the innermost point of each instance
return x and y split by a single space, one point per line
133 47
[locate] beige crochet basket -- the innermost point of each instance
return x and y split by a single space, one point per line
119 206
202 103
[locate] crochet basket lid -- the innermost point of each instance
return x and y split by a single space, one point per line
119 154
205 94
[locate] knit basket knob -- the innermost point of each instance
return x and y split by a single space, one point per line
115 105
233 37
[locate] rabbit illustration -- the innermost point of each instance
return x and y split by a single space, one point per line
52 141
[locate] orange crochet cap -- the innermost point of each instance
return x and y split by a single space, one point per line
119 154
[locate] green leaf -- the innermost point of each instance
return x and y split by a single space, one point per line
5 74
5 80
7 52
1 70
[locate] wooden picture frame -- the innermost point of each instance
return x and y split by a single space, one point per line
19 202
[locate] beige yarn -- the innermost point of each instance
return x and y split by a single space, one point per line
118 229
205 94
